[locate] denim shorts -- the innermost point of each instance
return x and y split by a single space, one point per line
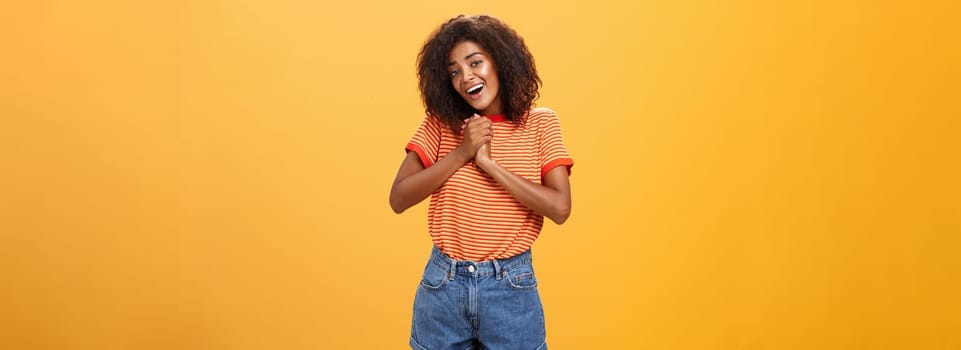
466 305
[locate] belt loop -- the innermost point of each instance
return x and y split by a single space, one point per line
497 269
453 269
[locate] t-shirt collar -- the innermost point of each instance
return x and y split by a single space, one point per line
496 118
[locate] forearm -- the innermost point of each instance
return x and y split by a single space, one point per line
550 202
414 186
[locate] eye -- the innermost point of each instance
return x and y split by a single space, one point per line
453 73
475 63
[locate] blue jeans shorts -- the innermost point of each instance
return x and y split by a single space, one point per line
466 305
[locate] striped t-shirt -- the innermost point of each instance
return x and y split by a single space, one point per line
471 216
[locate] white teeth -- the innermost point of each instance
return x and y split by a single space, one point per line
474 88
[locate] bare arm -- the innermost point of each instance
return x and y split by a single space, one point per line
414 182
551 199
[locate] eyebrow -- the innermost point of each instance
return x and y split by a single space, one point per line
451 63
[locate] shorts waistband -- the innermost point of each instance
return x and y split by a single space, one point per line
479 269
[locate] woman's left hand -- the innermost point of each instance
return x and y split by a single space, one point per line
483 155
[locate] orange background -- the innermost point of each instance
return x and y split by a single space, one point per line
214 175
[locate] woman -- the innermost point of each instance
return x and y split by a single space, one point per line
494 167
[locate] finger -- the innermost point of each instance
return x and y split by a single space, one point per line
478 125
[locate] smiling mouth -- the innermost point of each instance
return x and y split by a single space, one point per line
476 89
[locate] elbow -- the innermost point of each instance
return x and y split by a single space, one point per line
400 201
396 205
561 215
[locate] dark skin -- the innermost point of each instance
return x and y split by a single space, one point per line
413 183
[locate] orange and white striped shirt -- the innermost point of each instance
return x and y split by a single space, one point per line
471 216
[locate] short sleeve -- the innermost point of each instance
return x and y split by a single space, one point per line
426 141
551 150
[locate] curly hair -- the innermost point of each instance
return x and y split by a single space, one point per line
515 69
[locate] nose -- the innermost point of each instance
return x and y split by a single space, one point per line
469 75
467 79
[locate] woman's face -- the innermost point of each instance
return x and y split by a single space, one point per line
474 76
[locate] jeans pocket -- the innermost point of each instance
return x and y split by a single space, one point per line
434 278
521 277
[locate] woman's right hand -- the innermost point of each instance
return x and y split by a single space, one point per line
477 131
414 182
